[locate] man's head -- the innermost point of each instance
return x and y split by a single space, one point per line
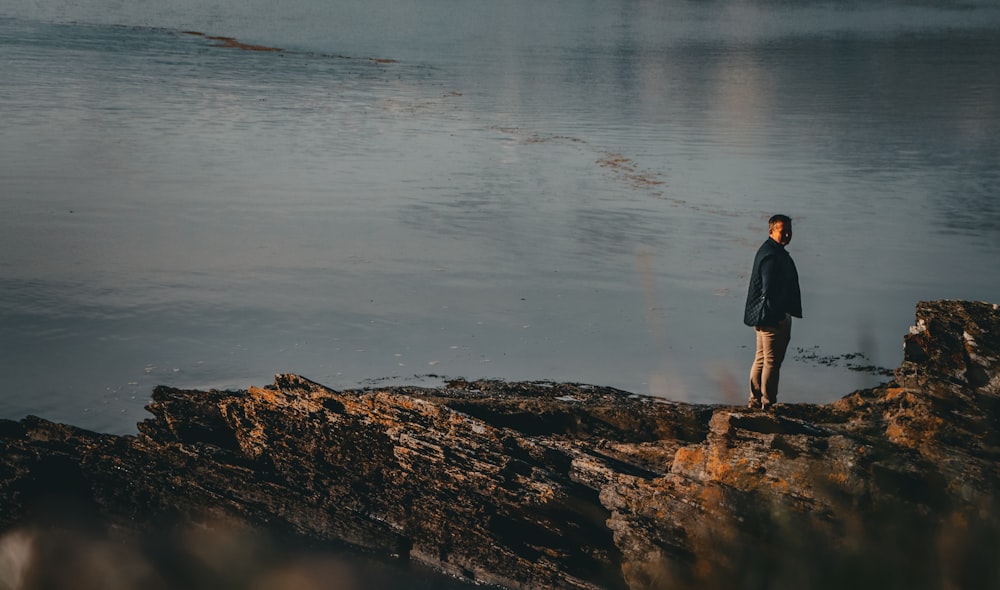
779 227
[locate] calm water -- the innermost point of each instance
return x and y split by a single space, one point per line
544 189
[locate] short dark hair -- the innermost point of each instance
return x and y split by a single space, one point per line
779 217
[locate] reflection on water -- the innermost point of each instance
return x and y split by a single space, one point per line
533 190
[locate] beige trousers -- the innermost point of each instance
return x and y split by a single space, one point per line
772 342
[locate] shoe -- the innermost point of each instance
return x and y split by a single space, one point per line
754 404
767 406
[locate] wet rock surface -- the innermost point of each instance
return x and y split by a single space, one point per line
554 485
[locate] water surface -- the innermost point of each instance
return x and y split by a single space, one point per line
417 190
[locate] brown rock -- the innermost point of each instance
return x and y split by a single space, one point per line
545 485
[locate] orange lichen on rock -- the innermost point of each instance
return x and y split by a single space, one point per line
892 393
720 466
838 477
266 395
912 431
689 459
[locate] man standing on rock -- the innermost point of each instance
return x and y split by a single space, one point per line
772 299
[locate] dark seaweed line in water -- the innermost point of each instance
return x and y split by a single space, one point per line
811 356
623 167
233 43
625 170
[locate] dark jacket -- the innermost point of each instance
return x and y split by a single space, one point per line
774 287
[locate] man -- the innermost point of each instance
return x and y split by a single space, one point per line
772 299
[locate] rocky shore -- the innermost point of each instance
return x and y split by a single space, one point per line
547 485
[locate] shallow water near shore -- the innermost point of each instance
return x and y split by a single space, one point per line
415 191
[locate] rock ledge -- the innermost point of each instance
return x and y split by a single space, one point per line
554 485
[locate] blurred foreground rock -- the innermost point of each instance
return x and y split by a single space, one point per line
543 485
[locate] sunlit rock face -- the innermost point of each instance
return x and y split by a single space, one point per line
546 485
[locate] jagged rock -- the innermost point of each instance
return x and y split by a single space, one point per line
545 485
